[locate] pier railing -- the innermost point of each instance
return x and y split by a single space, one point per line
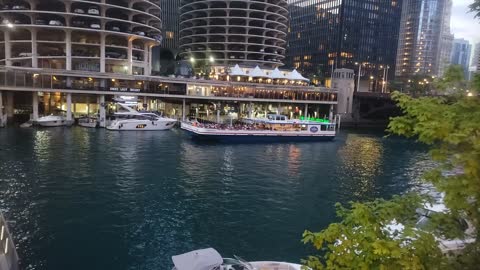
8 252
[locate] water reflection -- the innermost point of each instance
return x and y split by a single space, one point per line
130 200
361 160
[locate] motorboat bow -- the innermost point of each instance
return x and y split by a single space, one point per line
210 259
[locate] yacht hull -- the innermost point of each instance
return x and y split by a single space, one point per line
54 123
141 125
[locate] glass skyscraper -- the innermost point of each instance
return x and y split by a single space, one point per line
461 53
327 34
425 40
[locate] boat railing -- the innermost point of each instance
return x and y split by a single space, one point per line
8 252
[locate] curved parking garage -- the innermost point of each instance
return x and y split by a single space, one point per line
234 32
99 36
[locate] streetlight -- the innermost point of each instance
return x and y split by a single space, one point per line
359 74
192 59
212 59
10 25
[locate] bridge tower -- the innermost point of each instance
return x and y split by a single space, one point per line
344 82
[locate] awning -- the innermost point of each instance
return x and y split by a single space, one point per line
276 74
295 76
202 259
257 73
237 71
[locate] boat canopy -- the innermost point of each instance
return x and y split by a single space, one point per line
202 259
237 71
295 76
257 73
277 74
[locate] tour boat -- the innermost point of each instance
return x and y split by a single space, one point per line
131 119
210 259
274 128
54 120
88 122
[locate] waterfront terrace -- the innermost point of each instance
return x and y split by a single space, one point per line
54 80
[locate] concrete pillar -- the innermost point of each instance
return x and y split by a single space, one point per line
102 52
183 110
147 59
68 49
101 119
69 106
34 48
145 103
2 120
8 49
330 114
130 58
9 107
35 106
306 110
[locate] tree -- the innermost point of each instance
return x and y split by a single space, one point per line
365 238
453 81
475 8
451 126
475 83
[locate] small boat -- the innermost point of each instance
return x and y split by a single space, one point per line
130 119
88 122
56 119
274 128
210 259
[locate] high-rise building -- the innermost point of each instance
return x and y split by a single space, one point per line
425 39
113 37
327 34
233 32
164 56
461 53
476 58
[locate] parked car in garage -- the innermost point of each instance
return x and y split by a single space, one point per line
55 23
79 11
95 26
78 23
19 7
40 22
93 11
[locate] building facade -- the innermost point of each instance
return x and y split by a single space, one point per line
249 33
425 40
113 37
165 55
326 34
461 53
476 58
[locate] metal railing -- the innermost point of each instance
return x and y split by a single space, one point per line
8 252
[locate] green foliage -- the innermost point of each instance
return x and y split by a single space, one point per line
361 239
475 83
453 130
475 8
453 81
451 126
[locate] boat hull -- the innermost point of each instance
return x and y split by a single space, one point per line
243 136
88 125
141 125
54 123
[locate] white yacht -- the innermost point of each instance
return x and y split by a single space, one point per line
88 122
54 120
130 119
210 259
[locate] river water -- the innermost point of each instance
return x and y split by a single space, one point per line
96 199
